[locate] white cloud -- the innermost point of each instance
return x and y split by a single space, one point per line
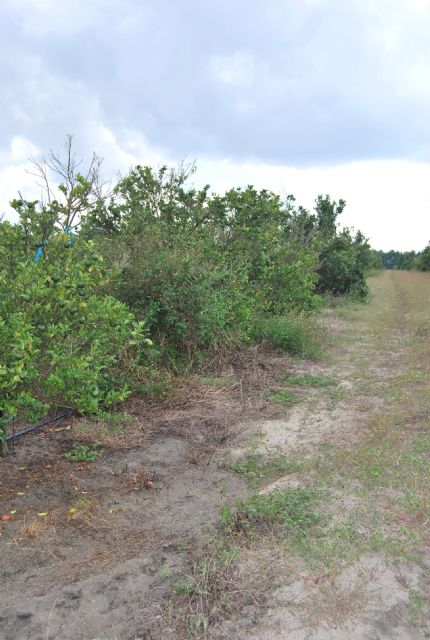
19 150
389 201
133 150
236 70
22 149
14 179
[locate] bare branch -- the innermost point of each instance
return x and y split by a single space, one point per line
66 169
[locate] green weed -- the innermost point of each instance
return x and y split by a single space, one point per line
183 587
207 589
259 467
214 381
83 453
309 380
418 612
116 421
281 395
82 504
292 511
298 335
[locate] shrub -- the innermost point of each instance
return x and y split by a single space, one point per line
62 343
190 302
344 263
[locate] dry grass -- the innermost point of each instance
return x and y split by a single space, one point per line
33 529
223 581
334 603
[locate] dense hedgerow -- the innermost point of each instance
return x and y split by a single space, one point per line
88 281
203 271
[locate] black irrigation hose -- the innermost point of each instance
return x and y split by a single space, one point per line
41 424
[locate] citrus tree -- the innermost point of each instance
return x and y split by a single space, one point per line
63 341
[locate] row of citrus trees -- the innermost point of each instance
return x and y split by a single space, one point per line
102 294
406 260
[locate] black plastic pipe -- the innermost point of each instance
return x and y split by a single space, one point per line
41 424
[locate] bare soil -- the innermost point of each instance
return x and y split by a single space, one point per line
94 550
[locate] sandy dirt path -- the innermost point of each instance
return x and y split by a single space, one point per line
366 574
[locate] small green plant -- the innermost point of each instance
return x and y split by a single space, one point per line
418 612
82 504
83 453
116 421
207 589
281 395
227 516
224 487
183 587
214 381
259 467
309 380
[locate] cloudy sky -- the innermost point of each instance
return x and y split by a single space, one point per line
299 96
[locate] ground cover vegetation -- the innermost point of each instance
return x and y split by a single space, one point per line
107 292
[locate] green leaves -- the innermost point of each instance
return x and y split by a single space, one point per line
83 453
62 341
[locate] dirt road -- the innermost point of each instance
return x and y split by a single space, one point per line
331 461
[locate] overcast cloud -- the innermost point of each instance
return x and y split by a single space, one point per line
314 95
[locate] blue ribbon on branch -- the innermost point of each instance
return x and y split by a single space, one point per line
39 252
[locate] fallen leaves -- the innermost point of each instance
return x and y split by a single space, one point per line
139 478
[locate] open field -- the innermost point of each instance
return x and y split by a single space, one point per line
282 498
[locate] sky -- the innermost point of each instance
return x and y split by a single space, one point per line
298 96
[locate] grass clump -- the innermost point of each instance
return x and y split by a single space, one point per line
210 591
298 335
280 395
291 510
257 467
310 380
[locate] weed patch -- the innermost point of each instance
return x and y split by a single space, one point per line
309 380
83 453
210 591
257 467
291 512
81 505
281 395
298 335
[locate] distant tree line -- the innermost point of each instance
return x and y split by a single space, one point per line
406 260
